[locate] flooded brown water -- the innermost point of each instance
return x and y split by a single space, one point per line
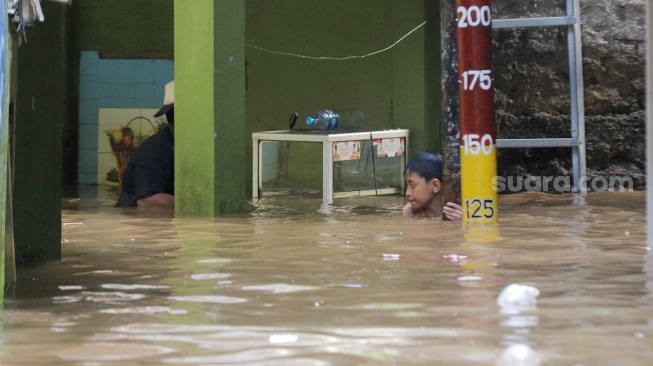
294 283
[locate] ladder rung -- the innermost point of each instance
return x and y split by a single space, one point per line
522 143
532 22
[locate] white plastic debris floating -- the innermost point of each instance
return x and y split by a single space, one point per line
516 298
519 355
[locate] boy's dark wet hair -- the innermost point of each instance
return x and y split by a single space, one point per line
427 165
126 131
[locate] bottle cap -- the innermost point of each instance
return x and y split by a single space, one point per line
309 121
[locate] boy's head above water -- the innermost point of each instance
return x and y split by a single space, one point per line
423 176
426 165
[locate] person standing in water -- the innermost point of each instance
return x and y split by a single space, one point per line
150 175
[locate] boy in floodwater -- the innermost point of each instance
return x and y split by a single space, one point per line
423 176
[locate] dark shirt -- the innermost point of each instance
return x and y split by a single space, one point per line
150 170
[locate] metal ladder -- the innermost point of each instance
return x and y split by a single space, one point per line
577 139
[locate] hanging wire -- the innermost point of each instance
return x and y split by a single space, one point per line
337 58
20 28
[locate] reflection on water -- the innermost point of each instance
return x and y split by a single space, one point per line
293 282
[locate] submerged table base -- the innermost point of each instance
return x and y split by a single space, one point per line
330 140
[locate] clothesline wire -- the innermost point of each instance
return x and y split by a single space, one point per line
338 58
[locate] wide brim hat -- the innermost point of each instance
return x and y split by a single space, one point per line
168 99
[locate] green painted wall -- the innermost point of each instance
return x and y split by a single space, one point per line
230 167
416 84
278 85
126 29
395 89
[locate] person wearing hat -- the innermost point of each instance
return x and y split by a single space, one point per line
149 178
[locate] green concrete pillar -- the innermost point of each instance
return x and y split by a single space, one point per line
210 167
37 138
416 77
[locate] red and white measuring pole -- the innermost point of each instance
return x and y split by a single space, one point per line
478 158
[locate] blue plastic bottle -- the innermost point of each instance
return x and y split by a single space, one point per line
325 119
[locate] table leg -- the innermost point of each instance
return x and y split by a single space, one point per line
327 173
255 168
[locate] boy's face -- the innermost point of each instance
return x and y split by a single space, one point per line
126 140
420 193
